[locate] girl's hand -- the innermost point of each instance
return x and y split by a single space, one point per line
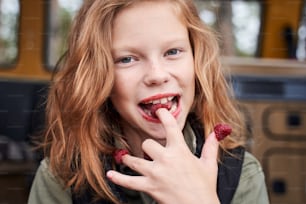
174 175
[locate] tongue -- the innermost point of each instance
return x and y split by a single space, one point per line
155 107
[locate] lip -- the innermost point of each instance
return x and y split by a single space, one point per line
157 97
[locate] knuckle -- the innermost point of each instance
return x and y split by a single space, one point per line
134 163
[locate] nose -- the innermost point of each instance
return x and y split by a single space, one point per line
156 74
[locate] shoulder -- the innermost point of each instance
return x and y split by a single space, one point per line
46 188
45 173
250 166
251 188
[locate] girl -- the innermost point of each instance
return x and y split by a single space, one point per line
143 75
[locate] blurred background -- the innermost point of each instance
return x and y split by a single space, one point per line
263 45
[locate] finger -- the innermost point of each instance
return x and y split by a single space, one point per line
152 148
210 148
137 183
137 164
173 131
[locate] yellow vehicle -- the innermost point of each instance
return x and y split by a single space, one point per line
264 50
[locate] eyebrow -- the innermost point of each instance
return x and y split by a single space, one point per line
133 47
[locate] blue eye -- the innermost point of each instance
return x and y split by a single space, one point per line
172 52
125 60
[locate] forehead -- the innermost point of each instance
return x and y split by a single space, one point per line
140 9
145 22
145 13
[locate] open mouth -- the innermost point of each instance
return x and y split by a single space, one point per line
150 107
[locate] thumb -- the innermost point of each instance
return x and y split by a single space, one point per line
210 148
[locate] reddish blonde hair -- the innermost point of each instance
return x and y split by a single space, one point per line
80 119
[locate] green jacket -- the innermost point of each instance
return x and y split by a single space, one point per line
251 189
46 189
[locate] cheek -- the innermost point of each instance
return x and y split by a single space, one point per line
188 80
188 75
122 91
122 82
117 92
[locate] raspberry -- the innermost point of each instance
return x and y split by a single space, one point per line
118 154
222 130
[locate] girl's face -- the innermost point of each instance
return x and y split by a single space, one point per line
154 68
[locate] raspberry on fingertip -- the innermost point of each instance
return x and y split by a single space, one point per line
222 131
118 154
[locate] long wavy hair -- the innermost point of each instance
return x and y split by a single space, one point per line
81 120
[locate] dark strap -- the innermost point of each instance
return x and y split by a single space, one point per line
229 174
229 171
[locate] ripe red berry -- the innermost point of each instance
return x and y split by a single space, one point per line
222 130
118 154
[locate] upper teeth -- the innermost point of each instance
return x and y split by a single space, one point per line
160 101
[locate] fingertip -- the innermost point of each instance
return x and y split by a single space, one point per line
166 118
212 137
161 112
109 174
119 154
